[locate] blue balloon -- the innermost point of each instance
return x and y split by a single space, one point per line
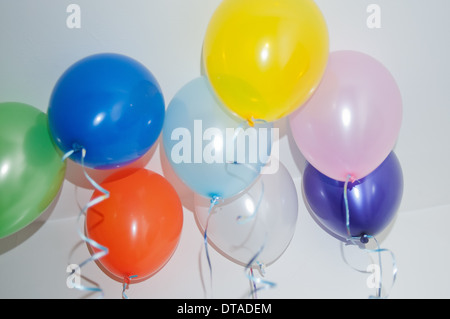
372 201
215 153
109 104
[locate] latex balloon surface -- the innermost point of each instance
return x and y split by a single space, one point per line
212 151
31 170
264 58
140 223
373 200
109 104
352 122
259 222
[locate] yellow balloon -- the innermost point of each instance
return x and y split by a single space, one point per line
264 58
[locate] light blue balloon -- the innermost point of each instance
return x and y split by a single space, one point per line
214 152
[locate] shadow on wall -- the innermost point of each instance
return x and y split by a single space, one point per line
14 240
75 174
184 192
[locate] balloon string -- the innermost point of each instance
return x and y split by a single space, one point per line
102 249
214 201
241 219
252 282
250 123
364 239
257 280
253 121
125 286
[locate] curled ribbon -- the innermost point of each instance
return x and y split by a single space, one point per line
102 249
125 286
257 280
214 201
364 239
254 260
241 220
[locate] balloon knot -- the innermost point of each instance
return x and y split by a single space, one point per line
351 178
364 239
76 147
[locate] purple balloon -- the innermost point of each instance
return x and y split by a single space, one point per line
373 200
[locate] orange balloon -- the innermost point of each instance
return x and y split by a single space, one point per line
140 223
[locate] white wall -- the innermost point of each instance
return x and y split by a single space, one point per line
36 46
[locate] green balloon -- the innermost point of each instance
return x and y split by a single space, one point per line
31 169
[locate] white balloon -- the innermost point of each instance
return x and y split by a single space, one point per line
259 223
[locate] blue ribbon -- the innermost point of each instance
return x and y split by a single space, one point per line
260 121
257 280
214 201
125 286
241 220
364 239
102 249
248 268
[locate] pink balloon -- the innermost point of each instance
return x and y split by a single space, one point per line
351 123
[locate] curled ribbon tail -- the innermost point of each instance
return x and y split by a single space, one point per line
101 250
364 239
214 201
126 284
257 280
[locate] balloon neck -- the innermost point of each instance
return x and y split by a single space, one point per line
215 199
364 239
252 121
262 268
351 181
76 147
351 178
127 279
